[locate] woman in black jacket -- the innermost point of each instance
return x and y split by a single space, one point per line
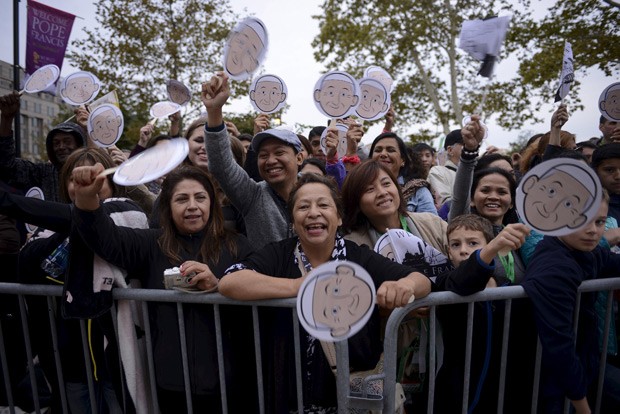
192 237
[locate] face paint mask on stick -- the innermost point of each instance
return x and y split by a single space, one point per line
335 300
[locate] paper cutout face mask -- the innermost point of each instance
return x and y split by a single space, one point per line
42 78
559 196
341 149
34 192
164 108
268 94
245 48
79 88
375 100
178 92
152 163
105 125
380 74
336 94
609 102
336 300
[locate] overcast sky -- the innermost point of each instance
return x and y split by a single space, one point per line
290 56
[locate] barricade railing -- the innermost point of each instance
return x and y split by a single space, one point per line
507 294
346 399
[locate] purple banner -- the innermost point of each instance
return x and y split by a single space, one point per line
48 32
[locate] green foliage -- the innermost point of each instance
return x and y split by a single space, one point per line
436 82
243 122
519 144
139 44
424 135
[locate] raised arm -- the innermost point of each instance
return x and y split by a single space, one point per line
558 119
121 246
46 214
232 178
472 134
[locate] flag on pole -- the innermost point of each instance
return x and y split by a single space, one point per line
47 36
483 39
568 74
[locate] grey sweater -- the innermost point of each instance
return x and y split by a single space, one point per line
265 218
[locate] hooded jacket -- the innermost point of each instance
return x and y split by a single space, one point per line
24 174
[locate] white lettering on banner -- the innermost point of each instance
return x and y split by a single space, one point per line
51 29
55 41
50 17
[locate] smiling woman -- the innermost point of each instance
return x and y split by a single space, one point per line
276 271
390 150
192 237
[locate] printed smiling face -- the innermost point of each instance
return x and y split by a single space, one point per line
80 89
268 95
245 48
611 104
341 300
336 97
40 79
374 100
556 201
178 93
106 127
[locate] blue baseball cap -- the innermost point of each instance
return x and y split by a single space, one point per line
284 135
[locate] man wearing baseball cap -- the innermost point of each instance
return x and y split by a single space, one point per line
263 204
60 142
441 177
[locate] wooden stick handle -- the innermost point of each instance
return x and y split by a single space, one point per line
108 171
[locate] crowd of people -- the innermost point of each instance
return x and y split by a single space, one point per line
250 215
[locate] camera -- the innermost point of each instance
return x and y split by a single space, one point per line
173 279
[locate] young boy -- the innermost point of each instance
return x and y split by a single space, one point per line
469 234
472 250
553 276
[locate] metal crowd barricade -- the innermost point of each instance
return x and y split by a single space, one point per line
507 294
346 399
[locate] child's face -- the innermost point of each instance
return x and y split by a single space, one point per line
462 243
609 173
587 238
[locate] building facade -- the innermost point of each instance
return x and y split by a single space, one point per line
38 113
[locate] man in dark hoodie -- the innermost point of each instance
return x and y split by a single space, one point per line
61 141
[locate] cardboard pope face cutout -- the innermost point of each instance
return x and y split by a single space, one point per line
268 94
178 92
34 192
341 149
609 102
245 48
152 163
559 196
336 94
79 88
42 79
375 99
105 125
380 74
164 108
335 300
